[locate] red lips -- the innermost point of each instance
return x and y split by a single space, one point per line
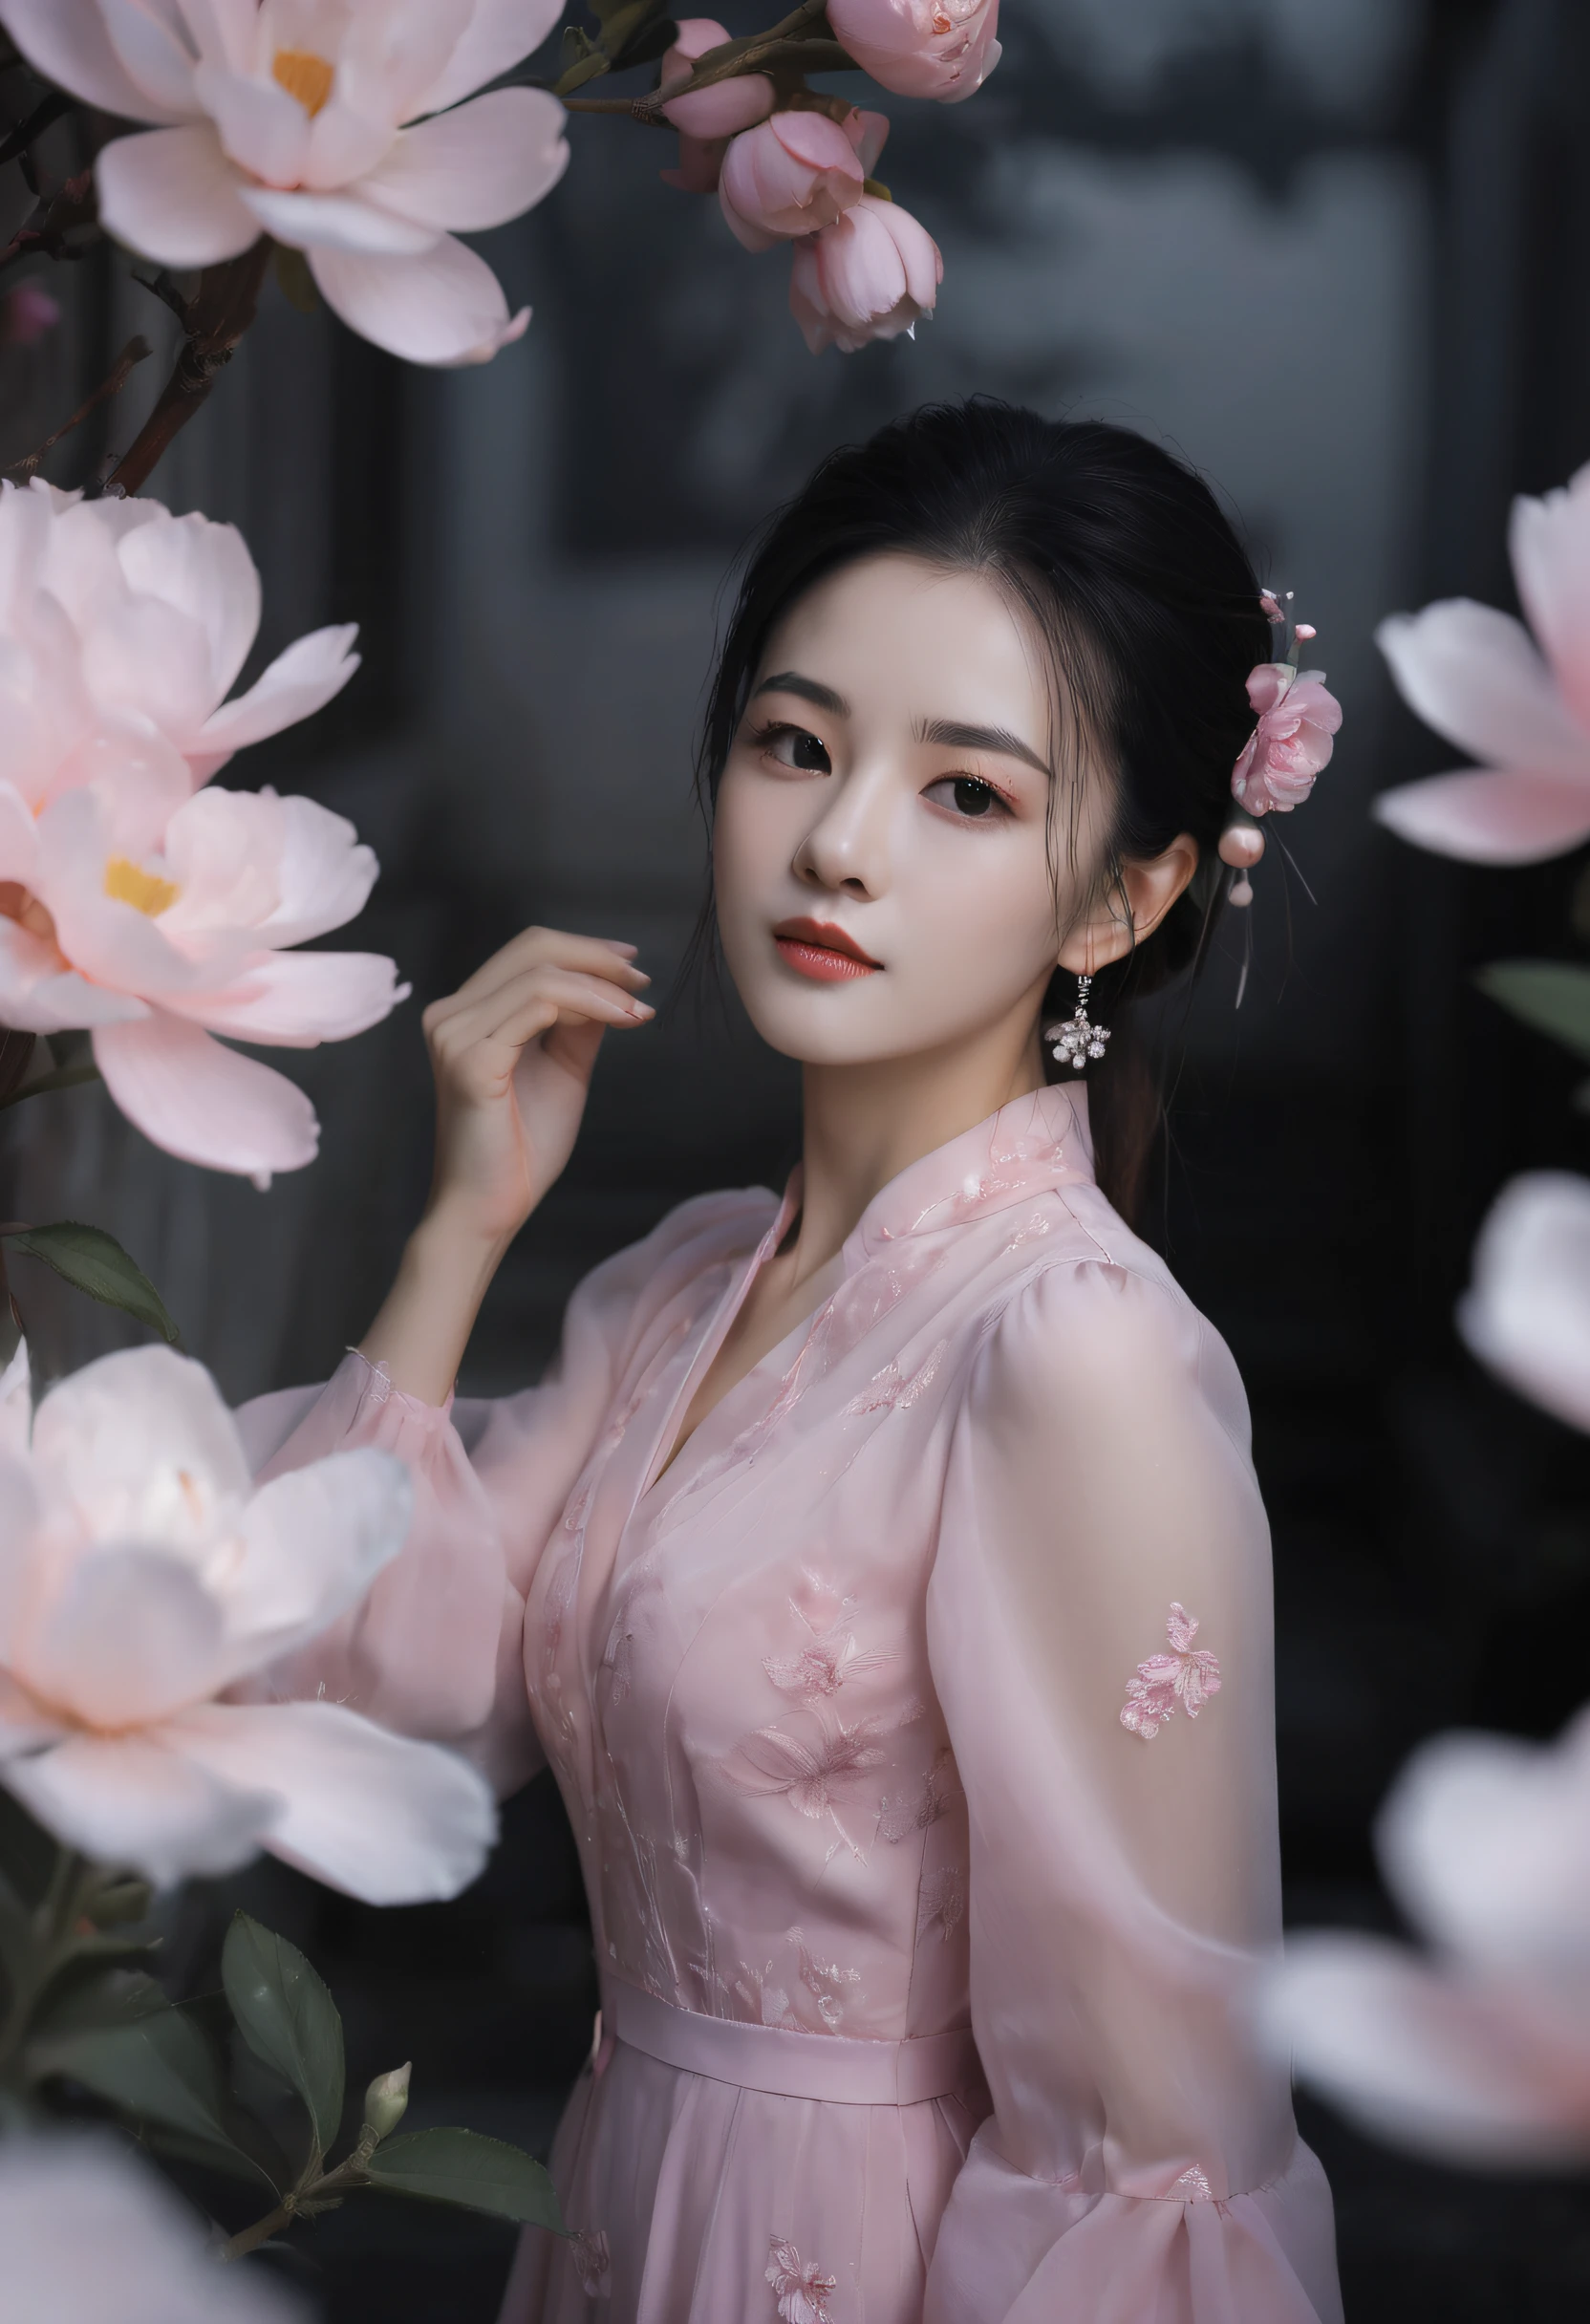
822 951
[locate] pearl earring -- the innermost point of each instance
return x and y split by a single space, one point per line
1076 1040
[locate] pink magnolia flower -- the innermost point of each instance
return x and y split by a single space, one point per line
140 1577
1291 741
708 118
943 49
1478 678
871 275
1482 2054
88 2233
1187 1675
793 173
1527 1311
802 2288
159 929
338 130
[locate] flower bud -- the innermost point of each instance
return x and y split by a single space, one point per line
871 275
789 176
386 2101
942 48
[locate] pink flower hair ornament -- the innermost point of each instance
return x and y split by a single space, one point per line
1297 719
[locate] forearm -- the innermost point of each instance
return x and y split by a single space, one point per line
425 1321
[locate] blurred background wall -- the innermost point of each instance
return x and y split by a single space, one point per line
1332 252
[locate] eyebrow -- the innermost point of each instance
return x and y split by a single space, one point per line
810 689
959 737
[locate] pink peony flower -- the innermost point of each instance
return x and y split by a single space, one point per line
140 1577
88 2233
943 49
117 615
1476 676
1482 2056
27 315
871 275
1527 1312
337 130
708 118
159 922
792 174
1291 741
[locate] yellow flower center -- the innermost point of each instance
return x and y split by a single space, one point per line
145 891
304 76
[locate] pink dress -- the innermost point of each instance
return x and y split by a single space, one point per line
916 1724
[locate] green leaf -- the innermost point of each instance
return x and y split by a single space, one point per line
288 2017
588 67
624 23
462 2166
94 1262
293 279
212 2156
160 2069
1552 997
576 45
91 1997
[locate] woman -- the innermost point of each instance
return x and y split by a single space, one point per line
848 1570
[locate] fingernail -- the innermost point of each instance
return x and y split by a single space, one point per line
641 973
639 1008
614 945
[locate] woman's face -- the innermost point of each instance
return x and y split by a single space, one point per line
881 860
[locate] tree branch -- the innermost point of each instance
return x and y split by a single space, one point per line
214 320
74 205
41 117
133 353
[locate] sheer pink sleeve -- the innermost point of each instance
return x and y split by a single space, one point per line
435 1647
1104 1552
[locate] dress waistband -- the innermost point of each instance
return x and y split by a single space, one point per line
788 2064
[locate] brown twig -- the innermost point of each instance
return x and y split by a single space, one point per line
75 205
729 59
132 354
214 320
48 111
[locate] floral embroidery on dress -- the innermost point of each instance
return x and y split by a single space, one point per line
814 1776
767 2003
830 1656
824 1981
588 2248
942 1903
1185 1675
899 1818
889 1392
802 2288
1193 2186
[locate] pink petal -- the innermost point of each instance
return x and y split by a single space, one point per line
477 167
25 1724
66 42
124 1800
158 62
1527 1312
335 222
263 129
205 571
1475 677
868 134
104 1434
108 939
16 1422
129 1635
203 1102
374 1814
343 144
324 875
296 999
499 33
1181 1630
314 1540
723 108
172 196
445 307
1486 817
38 996
392 56
300 681
1550 540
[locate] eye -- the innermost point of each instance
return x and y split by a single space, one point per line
795 747
967 796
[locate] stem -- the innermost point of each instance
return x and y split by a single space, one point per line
215 320
349 2174
72 1880
133 353
74 205
726 63
64 1077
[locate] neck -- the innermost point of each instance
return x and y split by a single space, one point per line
864 1124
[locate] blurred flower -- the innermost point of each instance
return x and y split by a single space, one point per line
1484 2054
943 49
140 1575
116 614
293 118
708 118
792 174
27 315
1291 741
871 275
88 2233
1527 1311
150 926
1475 675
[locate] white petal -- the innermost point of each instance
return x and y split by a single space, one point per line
296 1000
1474 676
343 145
1550 540
379 1816
445 307
335 222
203 1102
263 129
128 1635
148 39
102 1428
16 1409
1482 816
297 683
66 42
127 1801
172 196
498 33
205 571
477 167
1527 1313
313 1541
393 53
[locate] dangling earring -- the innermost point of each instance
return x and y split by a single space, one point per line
1076 1040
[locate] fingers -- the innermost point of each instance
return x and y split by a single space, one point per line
477 1043
554 948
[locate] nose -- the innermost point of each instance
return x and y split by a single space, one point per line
847 848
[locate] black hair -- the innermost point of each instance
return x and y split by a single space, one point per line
1149 606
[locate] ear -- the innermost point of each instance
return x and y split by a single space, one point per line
1129 909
